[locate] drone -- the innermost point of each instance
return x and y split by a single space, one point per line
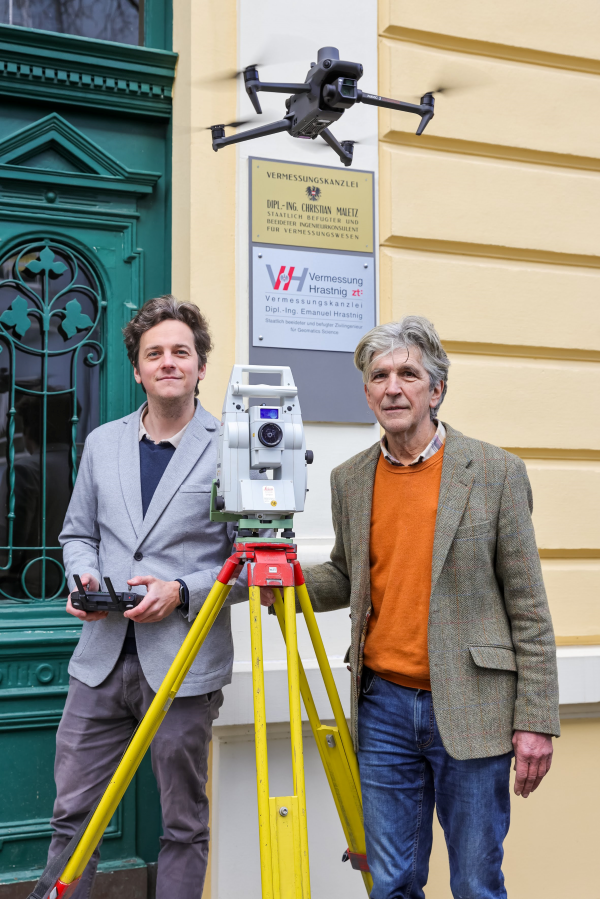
329 90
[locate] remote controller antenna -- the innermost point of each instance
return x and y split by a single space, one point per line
111 589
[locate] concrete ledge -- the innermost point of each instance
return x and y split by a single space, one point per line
578 674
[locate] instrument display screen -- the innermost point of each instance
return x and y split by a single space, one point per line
269 413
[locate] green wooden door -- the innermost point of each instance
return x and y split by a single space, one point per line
84 240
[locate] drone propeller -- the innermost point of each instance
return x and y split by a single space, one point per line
275 52
443 89
456 83
228 124
230 74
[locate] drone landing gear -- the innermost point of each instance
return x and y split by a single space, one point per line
345 149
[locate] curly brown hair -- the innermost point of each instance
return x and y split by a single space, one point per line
162 309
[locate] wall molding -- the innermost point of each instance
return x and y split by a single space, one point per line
489 48
580 640
61 68
494 151
530 452
491 251
584 553
507 349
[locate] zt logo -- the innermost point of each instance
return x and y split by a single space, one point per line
284 278
357 293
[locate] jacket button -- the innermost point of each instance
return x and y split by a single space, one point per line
138 556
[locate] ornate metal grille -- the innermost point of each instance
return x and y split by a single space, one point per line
51 306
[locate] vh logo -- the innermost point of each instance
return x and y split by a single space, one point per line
284 278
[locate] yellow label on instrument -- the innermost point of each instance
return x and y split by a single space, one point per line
312 206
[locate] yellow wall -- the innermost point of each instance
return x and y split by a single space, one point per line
551 851
489 225
204 182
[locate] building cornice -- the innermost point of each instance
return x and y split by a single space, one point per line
61 68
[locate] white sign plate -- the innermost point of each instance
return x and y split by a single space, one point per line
311 301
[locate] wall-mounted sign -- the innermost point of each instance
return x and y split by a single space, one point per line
312 280
309 300
311 206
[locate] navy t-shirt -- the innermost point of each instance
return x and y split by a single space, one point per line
154 458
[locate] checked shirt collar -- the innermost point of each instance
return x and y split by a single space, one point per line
429 451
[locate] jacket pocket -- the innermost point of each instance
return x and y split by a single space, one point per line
469 531
500 657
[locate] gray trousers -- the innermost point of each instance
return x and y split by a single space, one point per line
96 726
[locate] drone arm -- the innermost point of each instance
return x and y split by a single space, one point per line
219 139
344 151
276 87
252 88
424 109
253 84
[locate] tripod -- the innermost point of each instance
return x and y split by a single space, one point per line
283 833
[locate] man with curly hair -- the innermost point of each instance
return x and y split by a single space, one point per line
140 514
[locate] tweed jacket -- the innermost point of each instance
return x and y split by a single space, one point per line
492 653
106 533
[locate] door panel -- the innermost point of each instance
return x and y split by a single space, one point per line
84 240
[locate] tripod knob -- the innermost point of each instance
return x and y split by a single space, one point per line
309 457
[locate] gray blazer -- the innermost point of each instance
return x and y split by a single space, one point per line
105 527
492 654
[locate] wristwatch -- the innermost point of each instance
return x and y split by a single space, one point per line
184 597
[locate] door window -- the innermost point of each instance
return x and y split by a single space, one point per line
107 20
51 351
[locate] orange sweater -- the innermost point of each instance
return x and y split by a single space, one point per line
405 501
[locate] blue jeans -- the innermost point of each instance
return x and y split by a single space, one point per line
405 771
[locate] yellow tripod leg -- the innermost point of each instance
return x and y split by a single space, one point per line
145 732
327 675
293 666
337 767
260 740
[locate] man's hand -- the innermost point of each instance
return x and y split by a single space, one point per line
93 586
161 599
267 596
533 757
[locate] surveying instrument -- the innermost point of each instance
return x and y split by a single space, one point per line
254 439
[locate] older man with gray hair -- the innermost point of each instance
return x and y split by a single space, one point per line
453 657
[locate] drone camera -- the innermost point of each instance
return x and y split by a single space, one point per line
341 94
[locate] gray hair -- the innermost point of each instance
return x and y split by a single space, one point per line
412 330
